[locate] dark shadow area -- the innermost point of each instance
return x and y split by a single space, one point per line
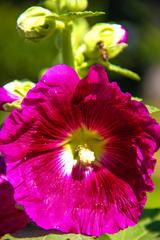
152 219
25 60
150 213
33 231
154 227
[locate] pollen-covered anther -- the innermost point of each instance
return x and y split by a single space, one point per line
85 155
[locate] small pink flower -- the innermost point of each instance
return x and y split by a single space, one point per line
80 153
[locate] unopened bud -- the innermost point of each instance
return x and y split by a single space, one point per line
36 23
62 6
12 94
76 5
105 41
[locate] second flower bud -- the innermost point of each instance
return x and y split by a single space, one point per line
105 41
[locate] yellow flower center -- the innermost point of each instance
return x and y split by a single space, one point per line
85 155
85 146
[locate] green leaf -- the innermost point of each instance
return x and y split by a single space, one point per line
104 237
151 109
74 15
147 229
50 237
137 99
138 233
122 71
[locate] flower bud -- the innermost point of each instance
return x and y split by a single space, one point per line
76 5
36 23
66 5
12 94
55 5
6 97
105 41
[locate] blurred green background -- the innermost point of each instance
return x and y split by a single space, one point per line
20 59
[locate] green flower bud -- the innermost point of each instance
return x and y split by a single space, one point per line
55 5
76 5
36 23
19 88
61 6
105 41
13 94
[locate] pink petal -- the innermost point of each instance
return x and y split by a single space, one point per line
58 83
124 38
92 83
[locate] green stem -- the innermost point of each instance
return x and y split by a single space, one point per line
67 48
125 72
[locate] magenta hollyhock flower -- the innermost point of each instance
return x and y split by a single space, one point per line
11 218
80 153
